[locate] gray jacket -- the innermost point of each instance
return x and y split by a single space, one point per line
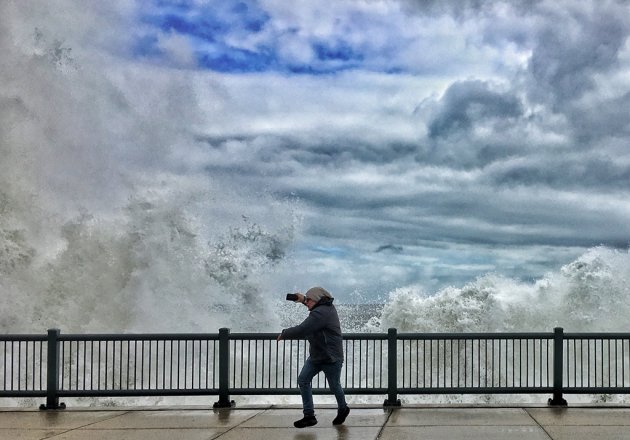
323 331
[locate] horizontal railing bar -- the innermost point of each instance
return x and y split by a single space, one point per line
479 390
132 393
257 336
204 392
597 336
407 336
462 336
273 336
142 337
23 393
296 391
22 338
357 390
266 336
595 390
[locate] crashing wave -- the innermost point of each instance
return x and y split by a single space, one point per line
591 293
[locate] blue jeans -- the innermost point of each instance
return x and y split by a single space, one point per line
332 371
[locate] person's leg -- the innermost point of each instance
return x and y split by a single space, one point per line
333 376
309 371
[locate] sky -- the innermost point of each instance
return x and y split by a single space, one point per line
418 143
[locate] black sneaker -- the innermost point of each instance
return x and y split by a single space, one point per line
306 421
341 416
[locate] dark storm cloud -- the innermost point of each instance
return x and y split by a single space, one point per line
306 150
600 122
469 102
479 217
463 8
389 248
341 151
573 45
579 172
474 124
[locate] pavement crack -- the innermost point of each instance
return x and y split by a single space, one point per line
87 424
538 423
380 431
244 421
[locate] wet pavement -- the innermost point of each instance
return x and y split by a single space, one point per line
276 423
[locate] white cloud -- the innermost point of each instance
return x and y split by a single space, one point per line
178 49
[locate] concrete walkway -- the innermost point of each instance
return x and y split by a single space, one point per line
276 423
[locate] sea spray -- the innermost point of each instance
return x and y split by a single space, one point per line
150 270
591 293
105 226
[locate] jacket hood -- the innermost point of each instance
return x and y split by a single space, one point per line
323 302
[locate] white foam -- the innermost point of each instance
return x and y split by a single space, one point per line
105 225
591 293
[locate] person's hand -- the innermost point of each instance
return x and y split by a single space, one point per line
279 338
300 298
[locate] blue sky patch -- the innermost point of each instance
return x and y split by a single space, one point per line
237 38
332 251
147 46
236 60
336 51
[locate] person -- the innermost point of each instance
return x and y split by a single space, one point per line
323 331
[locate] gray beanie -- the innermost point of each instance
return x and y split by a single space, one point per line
317 294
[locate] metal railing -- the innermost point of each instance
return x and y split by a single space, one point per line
477 363
596 363
392 364
24 365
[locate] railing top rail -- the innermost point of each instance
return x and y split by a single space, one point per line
267 336
599 335
433 336
22 337
259 336
366 336
140 337
273 336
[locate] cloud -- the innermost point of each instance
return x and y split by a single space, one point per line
471 102
177 48
565 59
593 171
603 126
389 247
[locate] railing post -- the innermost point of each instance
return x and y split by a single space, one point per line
52 372
392 368
558 348
224 370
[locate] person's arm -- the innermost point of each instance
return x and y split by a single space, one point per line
310 325
300 299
